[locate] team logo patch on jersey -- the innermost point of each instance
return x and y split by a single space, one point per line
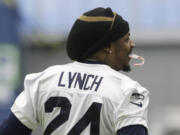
137 96
138 104
136 99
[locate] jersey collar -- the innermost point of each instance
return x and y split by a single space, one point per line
91 61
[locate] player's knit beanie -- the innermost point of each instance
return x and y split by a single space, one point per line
94 30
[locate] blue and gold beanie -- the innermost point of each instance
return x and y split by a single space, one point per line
94 30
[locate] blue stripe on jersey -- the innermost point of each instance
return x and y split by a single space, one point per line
12 126
133 130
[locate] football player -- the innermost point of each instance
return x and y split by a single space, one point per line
88 96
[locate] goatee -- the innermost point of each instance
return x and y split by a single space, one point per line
126 68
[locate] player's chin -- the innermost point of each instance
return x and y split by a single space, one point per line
127 68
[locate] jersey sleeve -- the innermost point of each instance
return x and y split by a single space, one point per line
133 109
133 130
12 126
25 105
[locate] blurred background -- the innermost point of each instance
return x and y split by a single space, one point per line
33 36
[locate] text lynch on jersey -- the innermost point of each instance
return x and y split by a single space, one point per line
82 81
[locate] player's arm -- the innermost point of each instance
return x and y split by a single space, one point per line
23 118
133 130
12 126
131 114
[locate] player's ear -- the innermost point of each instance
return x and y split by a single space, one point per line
108 49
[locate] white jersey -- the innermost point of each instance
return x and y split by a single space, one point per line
80 98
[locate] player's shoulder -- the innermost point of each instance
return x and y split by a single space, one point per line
123 87
126 83
123 79
48 72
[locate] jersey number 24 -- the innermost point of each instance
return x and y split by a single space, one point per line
92 116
